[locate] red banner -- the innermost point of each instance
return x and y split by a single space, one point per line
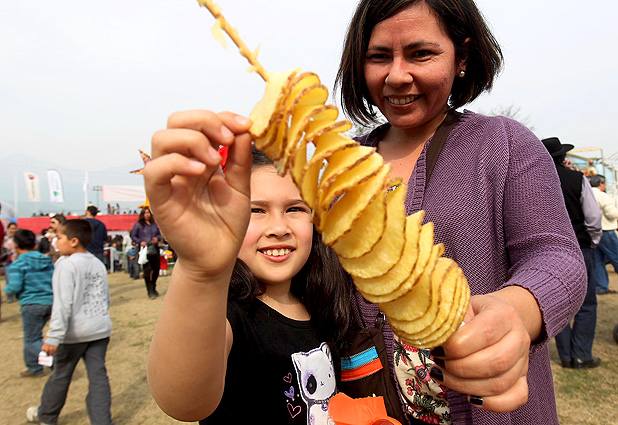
117 222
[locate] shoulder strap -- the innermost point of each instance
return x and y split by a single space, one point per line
435 147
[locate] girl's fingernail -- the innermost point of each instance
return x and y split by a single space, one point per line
242 120
476 400
439 362
226 133
436 374
196 165
437 352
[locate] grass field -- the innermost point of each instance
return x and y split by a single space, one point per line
583 396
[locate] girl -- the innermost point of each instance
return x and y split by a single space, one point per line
255 310
145 233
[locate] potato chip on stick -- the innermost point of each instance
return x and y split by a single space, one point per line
392 258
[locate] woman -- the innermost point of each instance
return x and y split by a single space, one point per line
8 246
495 200
146 234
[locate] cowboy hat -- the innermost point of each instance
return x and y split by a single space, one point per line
556 148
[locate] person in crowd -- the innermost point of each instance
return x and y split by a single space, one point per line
31 283
97 246
54 222
273 293
146 234
487 183
132 266
4 256
79 328
44 245
607 250
8 246
574 343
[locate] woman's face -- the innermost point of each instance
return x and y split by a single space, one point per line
410 67
147 214
278 240
11 229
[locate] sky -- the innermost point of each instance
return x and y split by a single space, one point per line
86 84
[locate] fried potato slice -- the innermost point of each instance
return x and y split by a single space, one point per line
425 247
387 252
346 169
395 277
461 312
366 232
437 329
265 111
443 285
417 300
307 178
348 208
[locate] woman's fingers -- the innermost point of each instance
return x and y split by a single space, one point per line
515 397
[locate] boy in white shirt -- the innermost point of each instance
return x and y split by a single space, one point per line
80 327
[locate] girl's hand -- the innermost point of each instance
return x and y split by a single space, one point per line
487 358
203 212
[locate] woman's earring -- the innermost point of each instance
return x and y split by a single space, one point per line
462 73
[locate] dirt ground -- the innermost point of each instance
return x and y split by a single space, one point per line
583 397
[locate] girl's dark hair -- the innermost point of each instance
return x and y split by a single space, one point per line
461 19
322 285
25 239
142 220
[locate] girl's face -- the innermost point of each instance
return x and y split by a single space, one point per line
11 229
280 233
410 66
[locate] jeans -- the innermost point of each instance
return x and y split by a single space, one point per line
99 397
606 251
34 317
576 342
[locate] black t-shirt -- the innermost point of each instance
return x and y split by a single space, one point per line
270 355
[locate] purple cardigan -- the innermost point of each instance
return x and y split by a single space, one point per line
496 202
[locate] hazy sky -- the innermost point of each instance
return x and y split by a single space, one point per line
86 84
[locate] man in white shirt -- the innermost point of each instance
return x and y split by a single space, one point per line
607 250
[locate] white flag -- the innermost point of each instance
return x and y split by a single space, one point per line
32 187
54 182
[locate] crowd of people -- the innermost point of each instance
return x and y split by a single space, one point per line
531 236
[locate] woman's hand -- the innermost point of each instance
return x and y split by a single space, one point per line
487 358
203 212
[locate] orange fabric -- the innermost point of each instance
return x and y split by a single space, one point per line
359 411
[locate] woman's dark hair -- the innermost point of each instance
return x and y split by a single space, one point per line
460 19
322 285
25 239
142 220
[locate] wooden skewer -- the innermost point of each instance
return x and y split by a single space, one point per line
242 47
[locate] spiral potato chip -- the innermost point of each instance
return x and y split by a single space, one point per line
392 258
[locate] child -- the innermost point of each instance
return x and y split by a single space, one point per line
249 340
80 327
31 282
